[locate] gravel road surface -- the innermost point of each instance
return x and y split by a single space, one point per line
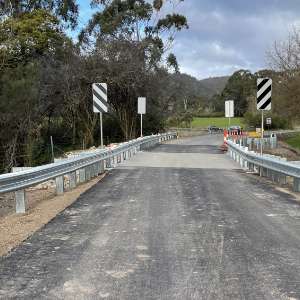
181 221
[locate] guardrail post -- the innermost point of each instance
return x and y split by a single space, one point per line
73 180
296 186
265 172
251 167
82 175
96 169
20 201
275 177
59 181
282 179
241 161
101 167
91 167
88 173
107 163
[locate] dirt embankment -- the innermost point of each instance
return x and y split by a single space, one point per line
285 150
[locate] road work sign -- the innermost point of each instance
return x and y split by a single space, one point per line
100 98
264 93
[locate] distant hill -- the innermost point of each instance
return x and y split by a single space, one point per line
205 88
213 85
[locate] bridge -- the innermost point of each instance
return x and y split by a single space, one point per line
180 220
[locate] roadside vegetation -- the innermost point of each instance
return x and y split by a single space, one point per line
293 141
218 122
46 77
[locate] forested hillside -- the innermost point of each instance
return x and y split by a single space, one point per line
213 85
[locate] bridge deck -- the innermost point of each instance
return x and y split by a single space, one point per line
178 222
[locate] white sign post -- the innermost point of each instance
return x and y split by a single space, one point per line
229 110
142 110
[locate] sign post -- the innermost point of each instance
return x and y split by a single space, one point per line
269 122
142 110
100 103
229 110
264 102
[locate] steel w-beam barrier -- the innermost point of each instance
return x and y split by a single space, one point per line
87 165
273 167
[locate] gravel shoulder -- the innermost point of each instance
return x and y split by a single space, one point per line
43 207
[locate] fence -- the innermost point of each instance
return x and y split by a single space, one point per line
83 167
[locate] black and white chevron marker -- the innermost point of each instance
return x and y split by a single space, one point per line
264 93
100 98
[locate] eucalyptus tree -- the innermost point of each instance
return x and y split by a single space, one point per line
66 11
32 43
129 40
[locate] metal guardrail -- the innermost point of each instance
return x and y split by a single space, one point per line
87 165
271 166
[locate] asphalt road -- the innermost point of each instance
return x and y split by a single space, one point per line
179 222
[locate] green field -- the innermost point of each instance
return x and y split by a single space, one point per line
219 122
294 141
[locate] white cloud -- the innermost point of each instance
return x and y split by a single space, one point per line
227 35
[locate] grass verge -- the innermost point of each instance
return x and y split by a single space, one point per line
219 122
293 141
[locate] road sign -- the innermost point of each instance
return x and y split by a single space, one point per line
268 121
100 98
142 110
142 105
229 109
264 93
100 103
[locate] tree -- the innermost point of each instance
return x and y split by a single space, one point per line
33 46
28 37
66 11
131 50
284 59
239 87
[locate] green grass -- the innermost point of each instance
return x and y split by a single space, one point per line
294 141
219 122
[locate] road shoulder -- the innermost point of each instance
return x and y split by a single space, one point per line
16 228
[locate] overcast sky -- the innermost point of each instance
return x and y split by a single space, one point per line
227 35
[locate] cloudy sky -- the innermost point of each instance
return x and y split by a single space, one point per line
227 35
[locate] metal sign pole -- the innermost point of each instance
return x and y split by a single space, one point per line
52 148
141 125
141 110
262 132
101 129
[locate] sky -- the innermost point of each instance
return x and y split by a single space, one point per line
227 35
